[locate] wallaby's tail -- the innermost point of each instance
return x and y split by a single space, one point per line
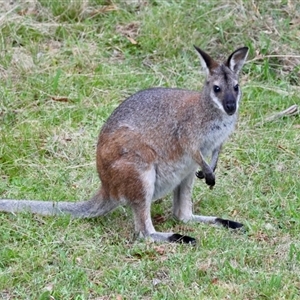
96 206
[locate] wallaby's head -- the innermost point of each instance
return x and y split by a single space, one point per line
222 79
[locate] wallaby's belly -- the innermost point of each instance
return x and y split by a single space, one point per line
170 174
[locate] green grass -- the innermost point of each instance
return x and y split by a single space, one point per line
64 67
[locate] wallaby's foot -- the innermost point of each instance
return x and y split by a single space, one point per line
182 239
217 221
229 224
167 237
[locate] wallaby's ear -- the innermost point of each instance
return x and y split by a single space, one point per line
208 64
237 59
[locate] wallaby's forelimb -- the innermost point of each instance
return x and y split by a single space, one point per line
207 171
213 162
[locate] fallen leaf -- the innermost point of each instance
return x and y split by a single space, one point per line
60 99
49 287
158 219
234 213
156 281
159 249
131 40
104 9
78 260
261 236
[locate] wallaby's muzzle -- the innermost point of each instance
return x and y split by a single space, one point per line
229 104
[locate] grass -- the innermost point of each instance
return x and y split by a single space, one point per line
64 67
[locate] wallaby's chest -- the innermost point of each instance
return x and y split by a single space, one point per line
217 133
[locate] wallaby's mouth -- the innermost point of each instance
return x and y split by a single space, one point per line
230 113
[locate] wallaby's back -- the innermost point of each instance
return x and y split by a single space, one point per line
167 116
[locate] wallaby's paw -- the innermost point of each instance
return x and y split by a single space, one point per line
182 239
210 179
199 174
229 224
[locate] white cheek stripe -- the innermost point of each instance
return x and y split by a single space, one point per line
216 101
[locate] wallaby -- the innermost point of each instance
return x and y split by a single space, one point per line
153 143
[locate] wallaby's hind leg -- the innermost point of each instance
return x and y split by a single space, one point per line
182 200
144 227
142 214
182 206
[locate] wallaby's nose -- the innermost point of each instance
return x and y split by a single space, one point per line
230 107
229 104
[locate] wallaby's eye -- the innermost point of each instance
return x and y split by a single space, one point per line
217 89
236 87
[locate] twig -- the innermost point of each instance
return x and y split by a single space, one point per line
286 150
293 110
261 57
2 18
